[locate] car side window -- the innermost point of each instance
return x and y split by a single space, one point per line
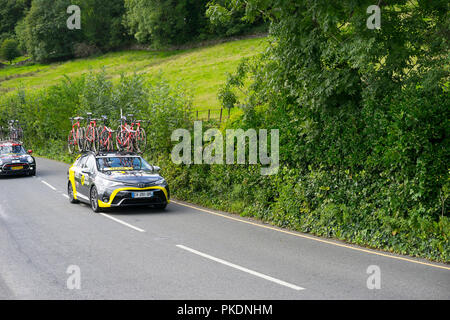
82 162
90 164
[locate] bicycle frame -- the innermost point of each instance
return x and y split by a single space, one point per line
106 144
129 134
75 132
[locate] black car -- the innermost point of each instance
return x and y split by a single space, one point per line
116 180
14 160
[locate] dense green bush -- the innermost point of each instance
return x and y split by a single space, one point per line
46 113
363 117
44 34
169 22
11 12
9 50
45 31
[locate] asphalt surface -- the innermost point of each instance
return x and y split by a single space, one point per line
183 252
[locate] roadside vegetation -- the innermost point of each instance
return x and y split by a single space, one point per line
202 70
363 117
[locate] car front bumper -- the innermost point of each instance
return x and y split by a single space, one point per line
123 197
6 169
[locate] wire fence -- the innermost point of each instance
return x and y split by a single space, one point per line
220 115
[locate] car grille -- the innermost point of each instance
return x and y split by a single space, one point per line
8 167
158 197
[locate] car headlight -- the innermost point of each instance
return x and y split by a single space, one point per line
160 181
30 159
1 162
111 184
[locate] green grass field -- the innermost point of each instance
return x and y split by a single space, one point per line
201 70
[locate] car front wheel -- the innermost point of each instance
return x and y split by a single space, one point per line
70 194
94 200
160 206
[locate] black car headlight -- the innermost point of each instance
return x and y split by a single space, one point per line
106 196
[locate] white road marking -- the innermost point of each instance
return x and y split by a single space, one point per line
255 273
103 214
259 225
122 222
49 185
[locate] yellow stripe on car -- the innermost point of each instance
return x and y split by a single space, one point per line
72 178
102 204
72 181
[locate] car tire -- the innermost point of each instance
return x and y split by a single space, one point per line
160 206
93 199
70 194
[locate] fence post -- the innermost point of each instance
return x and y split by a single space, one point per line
209 114
197 115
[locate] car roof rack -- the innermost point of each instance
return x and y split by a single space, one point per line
11 141
107 153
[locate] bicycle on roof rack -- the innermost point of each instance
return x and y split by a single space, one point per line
15 130
91 140
106 140
125 135
76 136
130 136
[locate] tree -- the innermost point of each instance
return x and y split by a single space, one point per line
102 24
46 33
11 11
165 22
9 51
353 101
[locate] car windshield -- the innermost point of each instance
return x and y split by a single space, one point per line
11 149
122 164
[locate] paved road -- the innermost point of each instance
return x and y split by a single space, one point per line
181 253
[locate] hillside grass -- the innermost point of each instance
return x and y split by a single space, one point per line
200 70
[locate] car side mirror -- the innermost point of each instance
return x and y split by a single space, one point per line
156 168
30 151
86 171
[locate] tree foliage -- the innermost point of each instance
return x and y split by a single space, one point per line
11 12
45 31
363 118
9 50
163 22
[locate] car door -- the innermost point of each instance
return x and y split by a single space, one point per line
78 176
87 175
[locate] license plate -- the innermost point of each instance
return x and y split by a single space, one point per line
17 168
146 194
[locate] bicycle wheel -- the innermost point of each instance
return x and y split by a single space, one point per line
81 139
141 141
71 142
95 140
105 141
120 139
89 138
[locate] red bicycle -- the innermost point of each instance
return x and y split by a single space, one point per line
76 136
125 136
140 137
92 142
106 136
